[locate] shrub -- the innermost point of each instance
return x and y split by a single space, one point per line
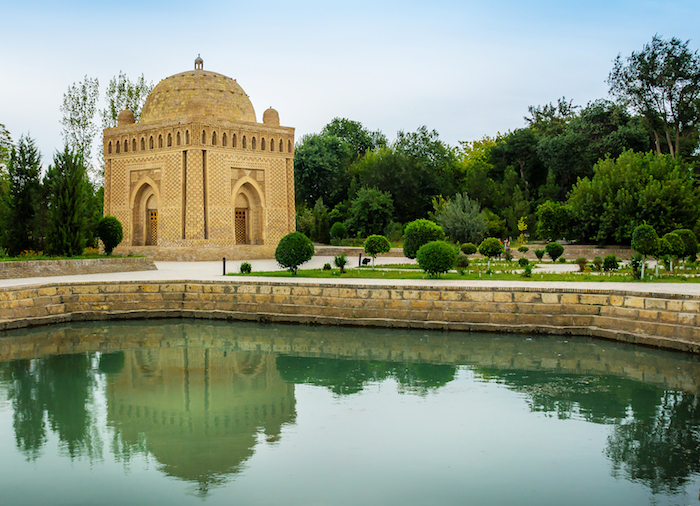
110 232
393 231
527 272
462 262
341 261
637 265
436 257
674 246
491 247
645 241
508 256
554 250
523 262
418 233
523 249
539 253
3 252
611 263
581 262
562 260
690 241
469 248
90 251
293 250
461 220
598 264
326 266
338 231
246 268
376 245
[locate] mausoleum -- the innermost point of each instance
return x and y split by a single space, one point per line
198 170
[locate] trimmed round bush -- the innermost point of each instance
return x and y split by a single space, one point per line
554 250
691 242
469 248
598 263
293 250
491 247
539 253
246 268
418 233
110 232
522 262
338 231
462 262
677 246
436 257
611 263
327 267
581 262
645 240
523 249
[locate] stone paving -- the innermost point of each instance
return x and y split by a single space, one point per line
213 271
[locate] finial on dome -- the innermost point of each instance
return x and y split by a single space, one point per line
199 63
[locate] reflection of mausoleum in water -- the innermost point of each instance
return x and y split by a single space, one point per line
198 411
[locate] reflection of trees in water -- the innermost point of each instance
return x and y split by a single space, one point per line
655 438
345 377
58 389
660 451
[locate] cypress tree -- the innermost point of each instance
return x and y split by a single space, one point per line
23 174
69 192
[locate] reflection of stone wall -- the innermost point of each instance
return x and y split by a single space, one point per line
199 410
661 368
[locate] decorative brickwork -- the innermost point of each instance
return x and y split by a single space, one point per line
185 161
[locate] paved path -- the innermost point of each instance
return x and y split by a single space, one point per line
213 271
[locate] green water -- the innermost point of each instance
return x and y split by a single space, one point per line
192 412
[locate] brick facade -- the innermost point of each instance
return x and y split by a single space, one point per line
178 176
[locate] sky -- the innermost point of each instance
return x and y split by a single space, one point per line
466 69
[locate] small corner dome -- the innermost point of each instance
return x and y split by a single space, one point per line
271 117
126 117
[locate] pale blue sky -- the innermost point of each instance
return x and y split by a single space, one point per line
466 69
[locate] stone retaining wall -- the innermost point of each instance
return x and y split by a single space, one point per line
662 320
41 268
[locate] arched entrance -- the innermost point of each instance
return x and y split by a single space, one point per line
247 215
144 217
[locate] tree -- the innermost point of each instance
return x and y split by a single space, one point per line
420 232
338 231
690 241
376 245
23 175
554 250
370 211
355 135
436 257
79 128
68 223
293 250
662 83
110 232
645 240
673 246
5 148
122 94
461 220
491 247
320 169
631 188
552 220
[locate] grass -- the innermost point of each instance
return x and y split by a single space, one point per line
394 272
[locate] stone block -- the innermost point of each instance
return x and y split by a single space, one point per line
650 303
550 298
569 298
526 297
595 300
478 296
636 302
691 306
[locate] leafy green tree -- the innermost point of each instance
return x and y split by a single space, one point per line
5 148
320 169
518 150
110 232
68 220
320 231
24 186
662 83
338 231
79 129
645 240
631 188
461 220
491 247
469 248
673 246
436 257
293 250
420 232
554 250
122 94
355 135
376 245
370 211
690 241
552 220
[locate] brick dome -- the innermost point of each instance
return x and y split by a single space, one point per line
196 94
271 117
126 117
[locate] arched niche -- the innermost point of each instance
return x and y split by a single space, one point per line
144 215
248 212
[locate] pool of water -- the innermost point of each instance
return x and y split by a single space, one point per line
192 412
